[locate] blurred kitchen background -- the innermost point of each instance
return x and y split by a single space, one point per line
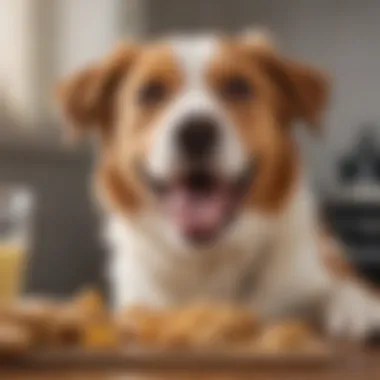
42 40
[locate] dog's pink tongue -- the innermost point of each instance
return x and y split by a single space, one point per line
198 214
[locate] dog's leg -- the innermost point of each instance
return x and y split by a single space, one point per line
308 271
294 277
352 307
294 281
352 311
298 284
132 280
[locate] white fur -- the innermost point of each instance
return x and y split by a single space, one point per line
165 273
277 256
352 310
194 56
295 275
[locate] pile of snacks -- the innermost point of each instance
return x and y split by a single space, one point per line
213 327
198 325
85 322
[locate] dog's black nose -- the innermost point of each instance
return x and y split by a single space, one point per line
198 137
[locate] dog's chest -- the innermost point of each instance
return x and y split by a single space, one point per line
147 266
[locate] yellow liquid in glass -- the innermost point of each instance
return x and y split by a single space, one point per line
11 271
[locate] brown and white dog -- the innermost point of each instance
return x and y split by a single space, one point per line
202 183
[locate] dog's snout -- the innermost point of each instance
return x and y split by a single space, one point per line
198 137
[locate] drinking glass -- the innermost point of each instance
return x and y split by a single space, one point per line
15 235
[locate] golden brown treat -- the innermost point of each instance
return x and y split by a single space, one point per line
140 324
207 325
100 335
192 326
15 339
166 328
33 313
211 326
67 326
176 330
286 336
179 326
229 325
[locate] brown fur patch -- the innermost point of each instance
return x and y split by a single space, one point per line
121 186
87 98
260 126
136 121
116 191
302 91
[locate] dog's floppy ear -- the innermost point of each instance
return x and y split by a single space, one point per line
304 90
87 98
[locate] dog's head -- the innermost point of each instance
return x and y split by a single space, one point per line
195 128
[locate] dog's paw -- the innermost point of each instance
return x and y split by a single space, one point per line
353 312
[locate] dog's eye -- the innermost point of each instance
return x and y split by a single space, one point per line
236 88
152 93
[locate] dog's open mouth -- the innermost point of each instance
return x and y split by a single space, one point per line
200 203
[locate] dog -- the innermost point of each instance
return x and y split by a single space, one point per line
203 189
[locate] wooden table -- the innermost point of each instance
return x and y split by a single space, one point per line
363 365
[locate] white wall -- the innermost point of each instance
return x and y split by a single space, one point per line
43 40
17 64
86 29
